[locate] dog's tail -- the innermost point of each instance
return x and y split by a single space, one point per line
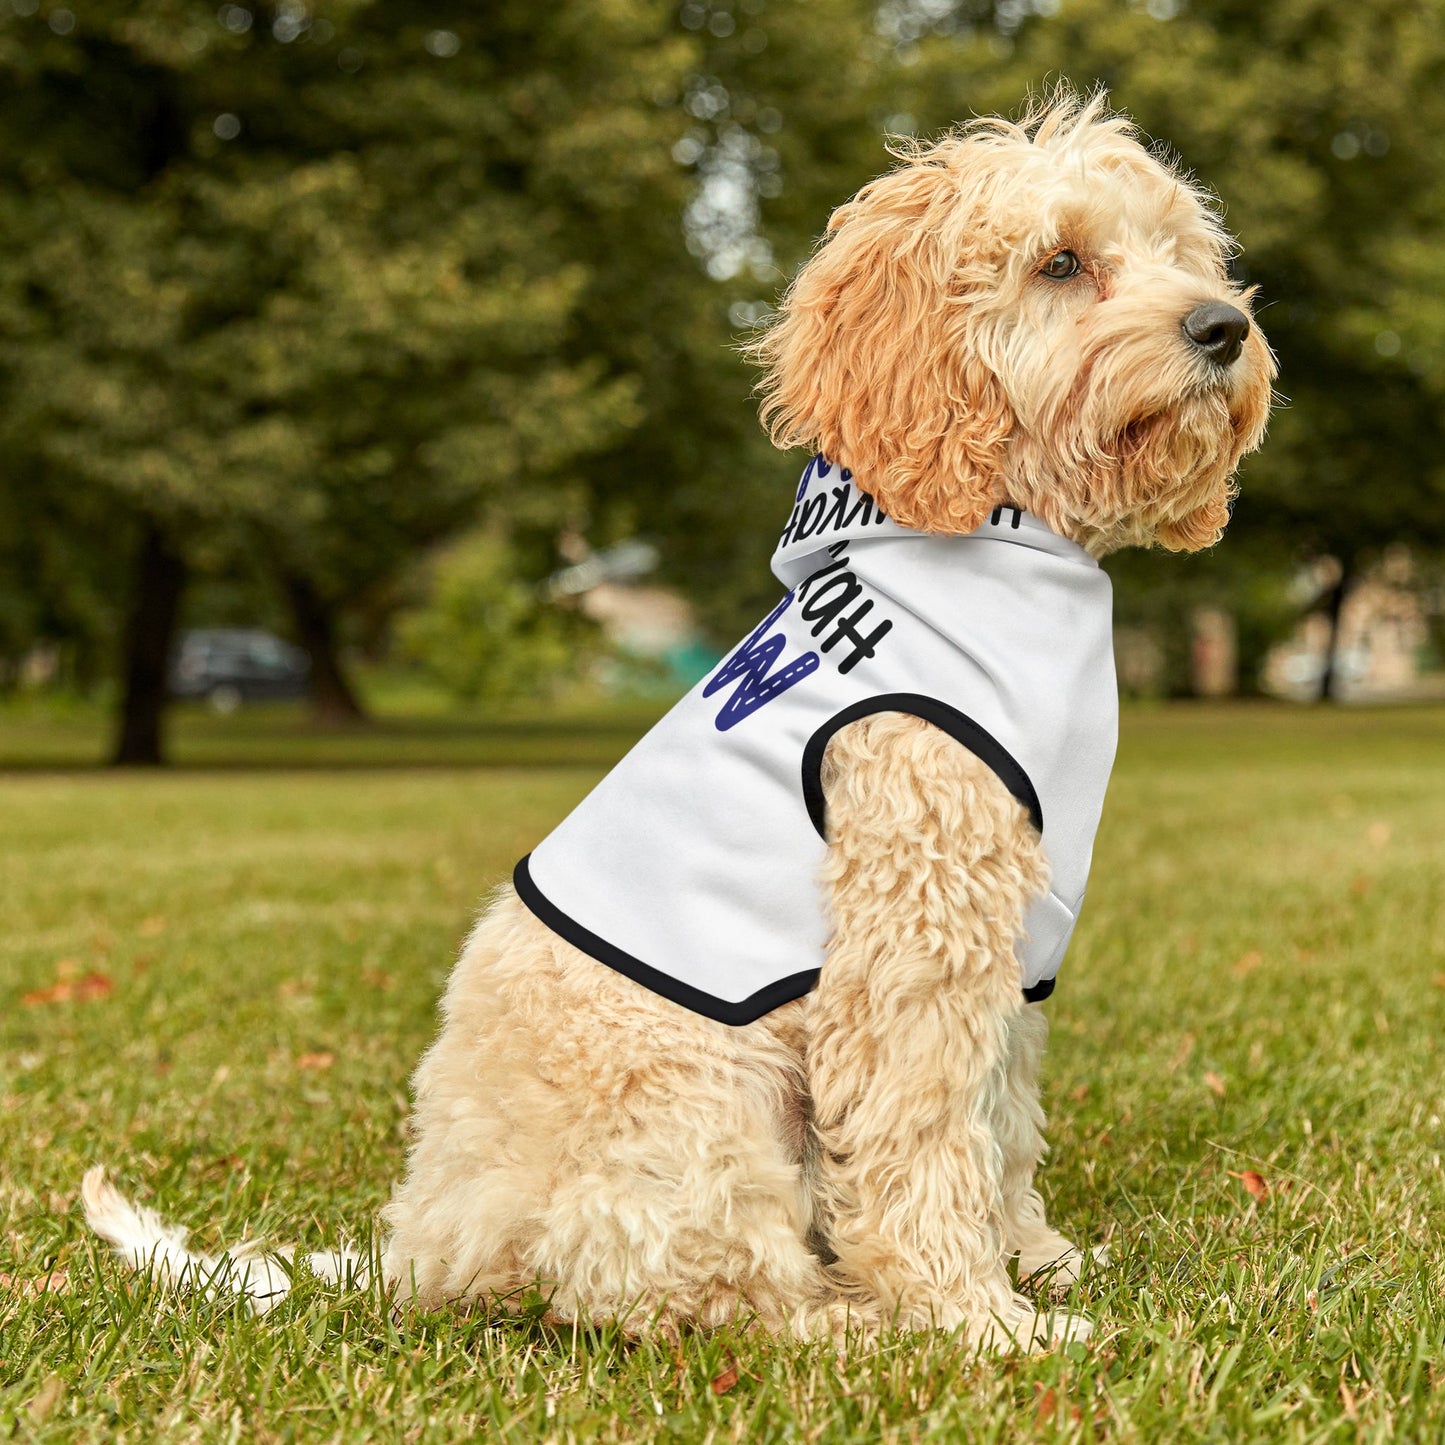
147 1243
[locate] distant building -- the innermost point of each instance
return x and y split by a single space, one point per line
1382 652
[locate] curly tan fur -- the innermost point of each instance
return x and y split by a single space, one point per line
866 1154
579 1134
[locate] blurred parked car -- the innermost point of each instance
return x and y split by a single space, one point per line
230 665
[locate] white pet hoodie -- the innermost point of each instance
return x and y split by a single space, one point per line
693 866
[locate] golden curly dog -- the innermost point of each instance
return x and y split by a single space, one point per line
1035 314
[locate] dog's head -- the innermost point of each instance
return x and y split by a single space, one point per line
1034 312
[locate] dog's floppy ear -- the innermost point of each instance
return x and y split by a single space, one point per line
872 359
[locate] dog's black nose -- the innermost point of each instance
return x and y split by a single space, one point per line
1218 330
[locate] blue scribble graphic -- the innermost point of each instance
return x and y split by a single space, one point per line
751 669
815 516
819 464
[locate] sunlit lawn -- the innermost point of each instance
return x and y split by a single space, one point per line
411 726
252 958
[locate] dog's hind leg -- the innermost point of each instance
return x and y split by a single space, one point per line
578 1135
931 863
681 1199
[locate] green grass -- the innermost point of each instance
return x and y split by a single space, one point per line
43 735
1256 985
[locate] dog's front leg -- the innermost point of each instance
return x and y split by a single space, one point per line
1042 1251
931 862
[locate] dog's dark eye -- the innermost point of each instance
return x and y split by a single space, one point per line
1060 266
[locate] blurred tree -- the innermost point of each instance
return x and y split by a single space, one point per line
330 285
783 108
58 570
308 282
487 634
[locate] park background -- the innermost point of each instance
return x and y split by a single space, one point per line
408 334
415 343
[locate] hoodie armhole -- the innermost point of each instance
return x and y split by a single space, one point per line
979 741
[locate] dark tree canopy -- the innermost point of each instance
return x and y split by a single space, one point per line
323 290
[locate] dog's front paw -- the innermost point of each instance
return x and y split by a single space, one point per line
1059 1328
1023 1326
1058 1269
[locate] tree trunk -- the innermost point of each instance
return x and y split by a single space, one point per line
160 579
1329 676
333 699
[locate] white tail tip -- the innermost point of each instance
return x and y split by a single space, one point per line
147 1243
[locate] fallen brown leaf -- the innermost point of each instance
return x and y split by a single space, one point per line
1440 980
1247 963
1046 1407
56 993
1080 1094
1214 1083
1255 1184
1181 1054
81 990
723 1382
1360 885
56 1282
322 1059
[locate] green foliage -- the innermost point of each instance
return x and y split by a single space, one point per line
486 634
780 117
309 286
1250 988
321 287
61 569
